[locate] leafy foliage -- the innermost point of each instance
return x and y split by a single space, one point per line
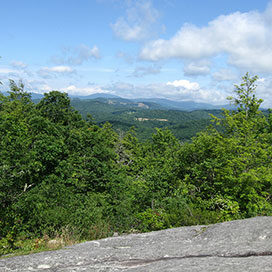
230 168
60 172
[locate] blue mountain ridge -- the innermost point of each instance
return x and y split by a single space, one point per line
162 103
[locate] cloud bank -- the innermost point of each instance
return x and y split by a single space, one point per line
244 37
180 90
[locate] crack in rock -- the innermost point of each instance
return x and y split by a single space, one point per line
138 262
114 262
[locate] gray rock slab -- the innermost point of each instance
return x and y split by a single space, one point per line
241 245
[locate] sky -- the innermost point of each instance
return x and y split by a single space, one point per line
176 49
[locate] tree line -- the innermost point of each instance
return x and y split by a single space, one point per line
58 170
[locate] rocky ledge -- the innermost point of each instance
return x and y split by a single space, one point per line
241 245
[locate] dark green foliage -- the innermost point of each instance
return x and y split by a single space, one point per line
59 171
54 165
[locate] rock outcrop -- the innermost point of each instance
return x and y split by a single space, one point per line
242 245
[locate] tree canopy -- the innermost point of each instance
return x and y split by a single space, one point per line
58 170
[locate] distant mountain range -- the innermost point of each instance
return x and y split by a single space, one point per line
145 103
95 96
152 103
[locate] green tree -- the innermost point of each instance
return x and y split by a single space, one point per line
57 108
245 97
229 164
52 165
15 156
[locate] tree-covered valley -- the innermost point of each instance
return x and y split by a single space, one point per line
144 117
67 174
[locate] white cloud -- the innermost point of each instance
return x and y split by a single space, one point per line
264 91
42 86
139 22
183 83
55 71
59 69
77 55
16 71
21 68
94 52
75 90
7 71
84 53
245 38
180 90
197 68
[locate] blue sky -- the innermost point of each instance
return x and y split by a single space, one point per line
175 49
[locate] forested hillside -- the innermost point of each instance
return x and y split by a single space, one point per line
144 117
62 175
